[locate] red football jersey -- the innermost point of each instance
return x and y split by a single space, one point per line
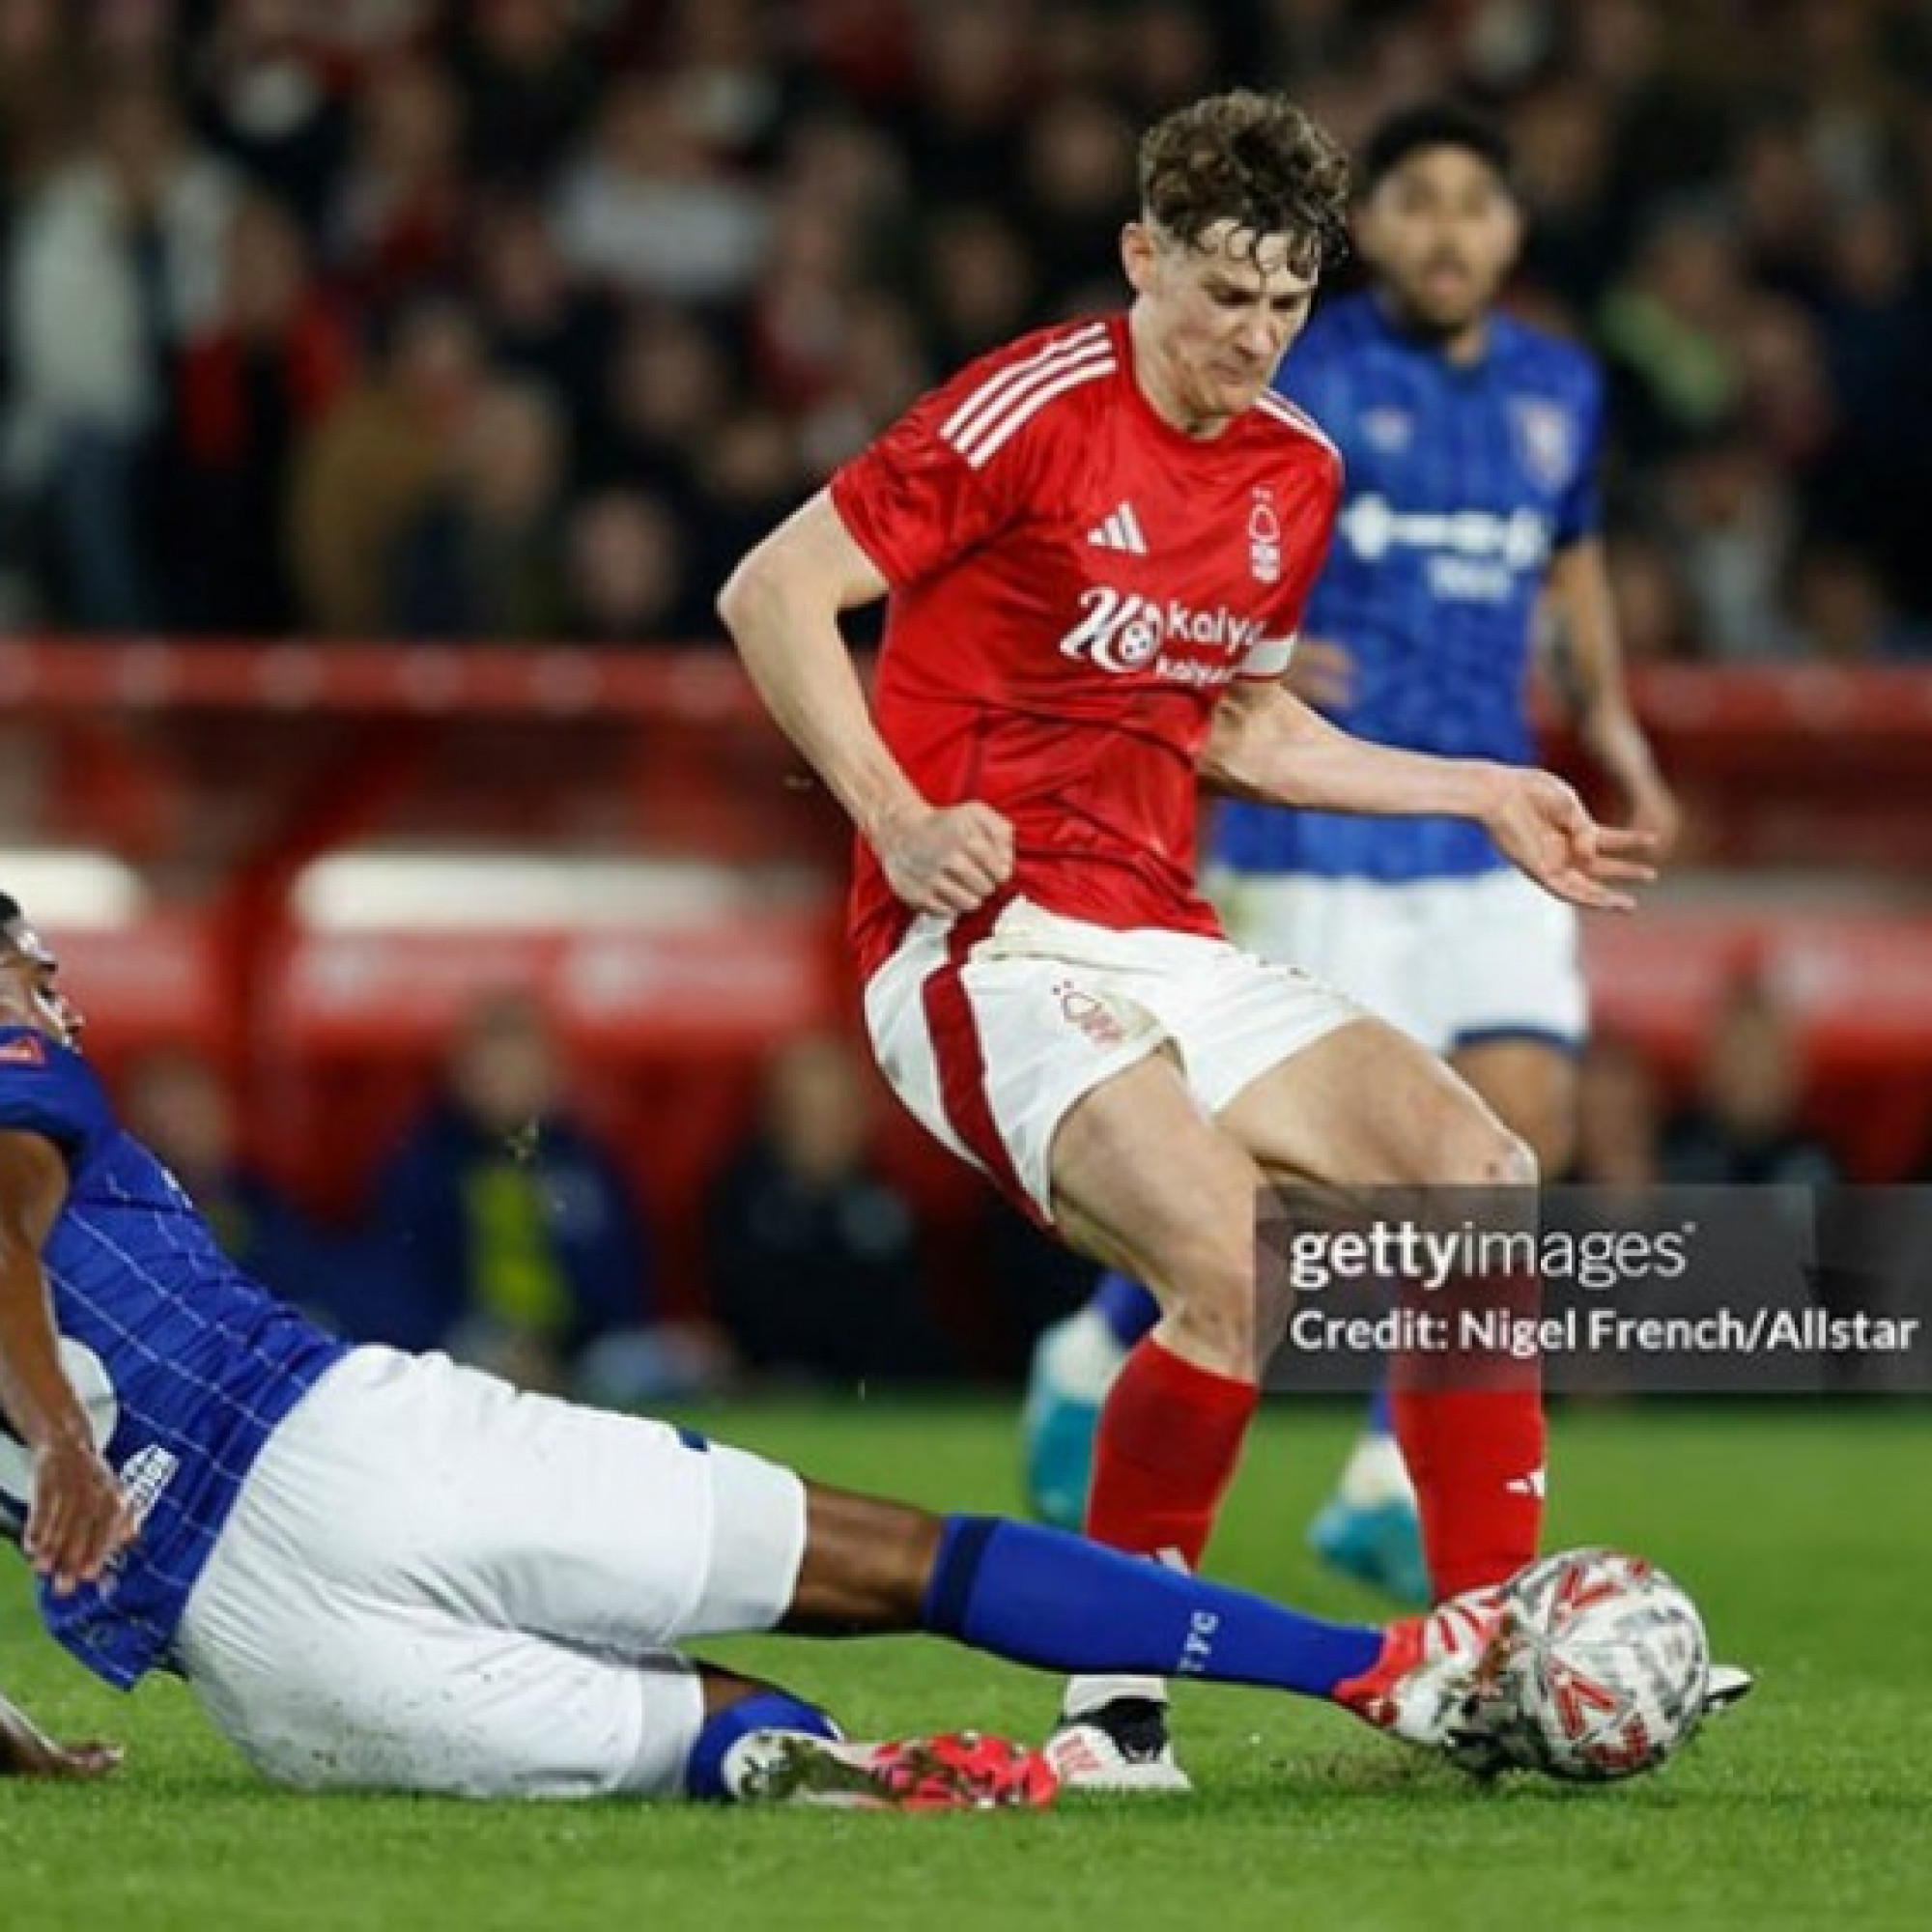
1074 582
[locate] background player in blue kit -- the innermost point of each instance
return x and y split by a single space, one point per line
377 1569
1470 443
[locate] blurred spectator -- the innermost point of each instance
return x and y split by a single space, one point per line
367 470
748 477
1733 523
175 1100
648 211
1564 139
624 572
813 1259
269 365
667 386
116 259
396 222
1744 1125
722 53
263 95
977 282
882 371
536 320
483 556
1080 187
1169 55
800 309
960 130
1668 331
505 1233
1842 614
529 77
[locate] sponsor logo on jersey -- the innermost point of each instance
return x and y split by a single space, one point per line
25 1051
1265 538
1122 631
1121 530
1545 439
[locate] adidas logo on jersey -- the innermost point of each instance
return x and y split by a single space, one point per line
1120 531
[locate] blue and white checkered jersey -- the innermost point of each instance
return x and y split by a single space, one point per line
185 1364
1461 482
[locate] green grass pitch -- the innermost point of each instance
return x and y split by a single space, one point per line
1803 1534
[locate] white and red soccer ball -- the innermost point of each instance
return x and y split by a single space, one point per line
1604 1667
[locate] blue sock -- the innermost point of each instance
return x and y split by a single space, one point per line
1041 1597
761 1711
1125 1307
1381 1410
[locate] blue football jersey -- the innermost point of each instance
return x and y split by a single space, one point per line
185 1364
1461 483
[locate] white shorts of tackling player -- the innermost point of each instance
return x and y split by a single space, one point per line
991 1050
434 1583
1450 961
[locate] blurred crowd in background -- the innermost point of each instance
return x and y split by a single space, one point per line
521 317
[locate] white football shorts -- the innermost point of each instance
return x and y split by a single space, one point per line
432 1581
1452 962
990 1043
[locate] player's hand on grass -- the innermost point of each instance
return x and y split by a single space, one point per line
1322 673
27 1752
1540 824
81 1520
947 859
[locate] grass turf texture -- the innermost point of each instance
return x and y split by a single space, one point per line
1803 1535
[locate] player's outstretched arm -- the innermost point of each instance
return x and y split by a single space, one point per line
782 606
1577 594
78 1518
27 1752
1268 746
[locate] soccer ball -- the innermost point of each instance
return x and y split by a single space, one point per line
1602 1667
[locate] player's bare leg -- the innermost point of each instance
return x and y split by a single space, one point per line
1043 1598
1530 1084
1368 1107
1369 1527
1144 1181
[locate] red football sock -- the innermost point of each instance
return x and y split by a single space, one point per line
1476 1459
1170 1436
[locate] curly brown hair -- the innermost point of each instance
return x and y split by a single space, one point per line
1255 159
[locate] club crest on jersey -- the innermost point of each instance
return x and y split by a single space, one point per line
1389 430
1543 438
1122 631
1264 539
24 1051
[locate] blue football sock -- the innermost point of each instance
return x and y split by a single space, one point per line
1381 1410
761 1711
1041 1597
1125 1307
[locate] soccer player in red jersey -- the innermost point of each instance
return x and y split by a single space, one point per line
1098 543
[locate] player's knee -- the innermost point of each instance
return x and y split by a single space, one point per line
1485 1153
1211 1299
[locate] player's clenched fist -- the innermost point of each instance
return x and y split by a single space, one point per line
947 859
